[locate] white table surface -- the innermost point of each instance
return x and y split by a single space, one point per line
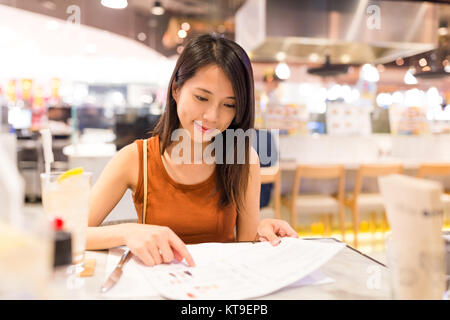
356 277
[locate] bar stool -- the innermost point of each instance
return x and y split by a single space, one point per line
319 203
272 175
436 170
369 202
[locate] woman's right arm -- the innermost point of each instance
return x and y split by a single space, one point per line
151 243
120 173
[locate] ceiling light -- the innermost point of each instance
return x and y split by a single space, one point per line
399 61
185 26
141 36
346 93
115 4
414 97
380 68
355 94
370 73
409 78
182 34
158 9
384 99
345 58
335 92
423 62
397 97
50 5
433 97
313 57
443 31
282 71
280 56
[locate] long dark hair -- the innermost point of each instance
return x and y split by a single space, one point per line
232 179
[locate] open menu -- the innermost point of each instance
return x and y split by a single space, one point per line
234 270
248 273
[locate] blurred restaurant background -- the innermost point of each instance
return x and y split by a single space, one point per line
346 82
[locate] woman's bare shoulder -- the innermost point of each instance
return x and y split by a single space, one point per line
127 161
130 150
254 158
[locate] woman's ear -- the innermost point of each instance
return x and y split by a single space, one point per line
175 93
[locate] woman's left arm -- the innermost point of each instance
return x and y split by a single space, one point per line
248 217
249 226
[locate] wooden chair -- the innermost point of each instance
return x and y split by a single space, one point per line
436 170
433 169
372 202
272 175
319 203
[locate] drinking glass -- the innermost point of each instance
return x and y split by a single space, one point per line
68 199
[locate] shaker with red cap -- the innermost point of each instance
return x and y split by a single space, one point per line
63 245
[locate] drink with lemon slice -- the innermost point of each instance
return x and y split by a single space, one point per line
66 195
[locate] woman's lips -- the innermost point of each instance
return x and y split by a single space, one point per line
202 127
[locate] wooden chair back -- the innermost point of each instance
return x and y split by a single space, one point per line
273 175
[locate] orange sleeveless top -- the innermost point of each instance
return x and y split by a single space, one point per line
191 211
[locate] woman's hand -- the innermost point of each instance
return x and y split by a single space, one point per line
156 244
270 229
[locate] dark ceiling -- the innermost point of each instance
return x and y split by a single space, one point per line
203 16
160 31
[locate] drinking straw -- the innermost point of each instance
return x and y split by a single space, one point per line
48 153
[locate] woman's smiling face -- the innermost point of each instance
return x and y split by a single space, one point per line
206 103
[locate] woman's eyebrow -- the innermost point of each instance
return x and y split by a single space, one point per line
209 92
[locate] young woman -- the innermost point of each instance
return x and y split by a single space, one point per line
194 200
